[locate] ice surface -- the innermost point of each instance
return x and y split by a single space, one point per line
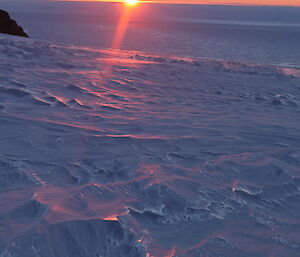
253 34
115 153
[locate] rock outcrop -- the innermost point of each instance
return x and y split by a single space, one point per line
9 26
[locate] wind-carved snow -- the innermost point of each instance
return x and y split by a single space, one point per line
112 153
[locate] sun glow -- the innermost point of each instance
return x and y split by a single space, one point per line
131 2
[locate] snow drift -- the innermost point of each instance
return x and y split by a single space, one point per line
114 153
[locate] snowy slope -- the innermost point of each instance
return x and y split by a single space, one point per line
107 153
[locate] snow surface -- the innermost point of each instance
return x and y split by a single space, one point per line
114 153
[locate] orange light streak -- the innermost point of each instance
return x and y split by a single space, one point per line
119 37
122 27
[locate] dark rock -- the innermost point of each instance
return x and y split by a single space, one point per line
9 26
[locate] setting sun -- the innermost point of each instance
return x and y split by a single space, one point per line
131 2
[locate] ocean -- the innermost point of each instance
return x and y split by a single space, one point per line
261 35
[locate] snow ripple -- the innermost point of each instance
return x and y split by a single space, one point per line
114 153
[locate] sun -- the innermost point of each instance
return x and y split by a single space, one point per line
131 2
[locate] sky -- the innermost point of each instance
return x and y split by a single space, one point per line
228 2
210 2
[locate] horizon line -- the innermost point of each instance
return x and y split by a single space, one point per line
179 2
